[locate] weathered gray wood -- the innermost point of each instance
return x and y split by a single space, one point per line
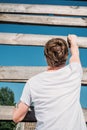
45 20
34 40
22 74
84 78
18 73
44 9
85 113
6 113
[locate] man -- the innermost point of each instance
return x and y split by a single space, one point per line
55 92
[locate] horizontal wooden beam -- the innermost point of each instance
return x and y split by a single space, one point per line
44 9
22 74
18 73
34 40
6 114
43 20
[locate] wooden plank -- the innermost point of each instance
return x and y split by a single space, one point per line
43 20
22 74
6 113
85 114
34 40
18 73
44 9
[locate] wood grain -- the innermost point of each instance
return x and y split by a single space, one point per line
22 74
43 20
33 39
44 9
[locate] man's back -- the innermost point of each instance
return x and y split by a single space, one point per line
56 92
55 95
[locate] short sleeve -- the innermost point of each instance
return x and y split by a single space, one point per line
75 66
26 94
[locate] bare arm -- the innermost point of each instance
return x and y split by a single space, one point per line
20 112
72 39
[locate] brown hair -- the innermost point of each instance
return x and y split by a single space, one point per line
56 52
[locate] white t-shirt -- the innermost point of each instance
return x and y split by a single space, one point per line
56 95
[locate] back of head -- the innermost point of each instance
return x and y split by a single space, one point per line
56 52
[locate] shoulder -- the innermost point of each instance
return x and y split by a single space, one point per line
76 67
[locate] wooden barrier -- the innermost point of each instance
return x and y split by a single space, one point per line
6 114
33 39
43 9
73 16
11 13
43 20
22 74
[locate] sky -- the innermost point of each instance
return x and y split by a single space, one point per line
28 55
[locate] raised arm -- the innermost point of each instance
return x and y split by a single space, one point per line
72 40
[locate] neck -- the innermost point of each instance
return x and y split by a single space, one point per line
55 68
